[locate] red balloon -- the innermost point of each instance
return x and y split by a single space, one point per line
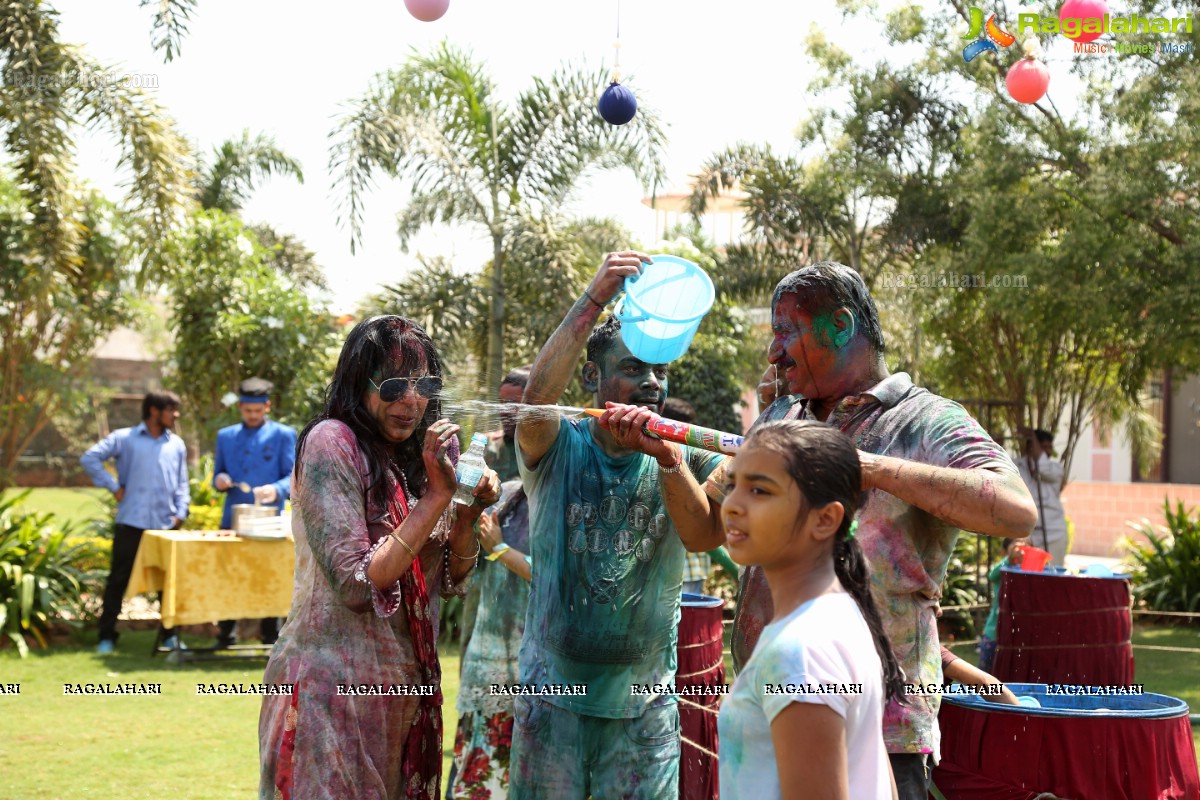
1027 80
427 10
1082 13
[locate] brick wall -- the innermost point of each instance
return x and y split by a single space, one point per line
1100 510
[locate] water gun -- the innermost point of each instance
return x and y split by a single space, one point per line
691 435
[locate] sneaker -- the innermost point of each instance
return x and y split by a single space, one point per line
105 647
174 643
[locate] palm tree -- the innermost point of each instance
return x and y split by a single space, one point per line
66 272
48 88
237 165
470 158
549 263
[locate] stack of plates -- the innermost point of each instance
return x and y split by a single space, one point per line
263 528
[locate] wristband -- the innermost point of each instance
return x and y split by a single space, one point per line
595 302
497 551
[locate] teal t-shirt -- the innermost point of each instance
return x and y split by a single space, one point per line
608 570
989 627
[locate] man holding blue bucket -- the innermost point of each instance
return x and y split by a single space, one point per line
611 513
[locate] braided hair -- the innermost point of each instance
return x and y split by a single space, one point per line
824 464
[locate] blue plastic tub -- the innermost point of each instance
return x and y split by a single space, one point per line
701 600
1130 706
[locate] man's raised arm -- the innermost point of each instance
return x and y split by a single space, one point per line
555 364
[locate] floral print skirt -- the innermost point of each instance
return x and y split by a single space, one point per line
481 751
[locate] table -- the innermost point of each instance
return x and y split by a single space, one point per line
206 576
1059 628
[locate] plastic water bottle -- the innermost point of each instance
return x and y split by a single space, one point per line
470 469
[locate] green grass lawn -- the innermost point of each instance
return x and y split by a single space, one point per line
183 746
177 745
72 505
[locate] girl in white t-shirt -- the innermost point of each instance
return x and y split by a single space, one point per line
805 717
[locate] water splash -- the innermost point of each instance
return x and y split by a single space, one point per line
490 414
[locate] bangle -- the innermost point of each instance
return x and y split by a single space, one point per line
674 468
498 551
471 557
407 546
596 302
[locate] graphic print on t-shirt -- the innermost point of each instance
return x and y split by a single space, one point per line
614 522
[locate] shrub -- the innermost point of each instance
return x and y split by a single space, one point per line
43 577
1166 568
207 504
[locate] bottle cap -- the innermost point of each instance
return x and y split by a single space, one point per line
479 437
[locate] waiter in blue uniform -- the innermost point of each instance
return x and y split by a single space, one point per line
257 453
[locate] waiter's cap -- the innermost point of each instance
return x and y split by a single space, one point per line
255 390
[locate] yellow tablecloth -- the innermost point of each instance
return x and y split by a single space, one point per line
204 577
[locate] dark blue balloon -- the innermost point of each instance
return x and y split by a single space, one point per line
617 105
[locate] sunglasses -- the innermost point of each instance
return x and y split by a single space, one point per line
393 389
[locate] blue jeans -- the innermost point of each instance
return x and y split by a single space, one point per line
560 755
911 771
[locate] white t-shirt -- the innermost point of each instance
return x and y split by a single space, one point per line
820 653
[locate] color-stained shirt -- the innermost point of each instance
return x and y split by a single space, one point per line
153 472
607 574
908 548
495 644
822 652
257 456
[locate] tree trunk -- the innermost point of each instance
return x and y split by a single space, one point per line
495 363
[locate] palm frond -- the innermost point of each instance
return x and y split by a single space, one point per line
237 166
35 109
170 24
431 120
725 170
555 134
156 155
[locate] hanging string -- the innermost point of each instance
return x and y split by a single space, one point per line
617 48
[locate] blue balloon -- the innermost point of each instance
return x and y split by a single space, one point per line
617 105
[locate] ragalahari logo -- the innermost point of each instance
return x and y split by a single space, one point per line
984 37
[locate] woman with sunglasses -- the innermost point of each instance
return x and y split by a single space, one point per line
377 542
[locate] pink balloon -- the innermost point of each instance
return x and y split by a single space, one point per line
1027 80
1083 11
427 10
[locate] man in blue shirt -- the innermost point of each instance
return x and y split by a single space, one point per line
152 493
253 465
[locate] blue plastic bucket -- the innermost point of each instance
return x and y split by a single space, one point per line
662 308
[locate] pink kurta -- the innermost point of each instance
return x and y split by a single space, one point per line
344 632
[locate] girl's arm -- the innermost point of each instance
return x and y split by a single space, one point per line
810 752
512 558
963 672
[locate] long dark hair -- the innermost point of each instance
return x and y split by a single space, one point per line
824 464
380 347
